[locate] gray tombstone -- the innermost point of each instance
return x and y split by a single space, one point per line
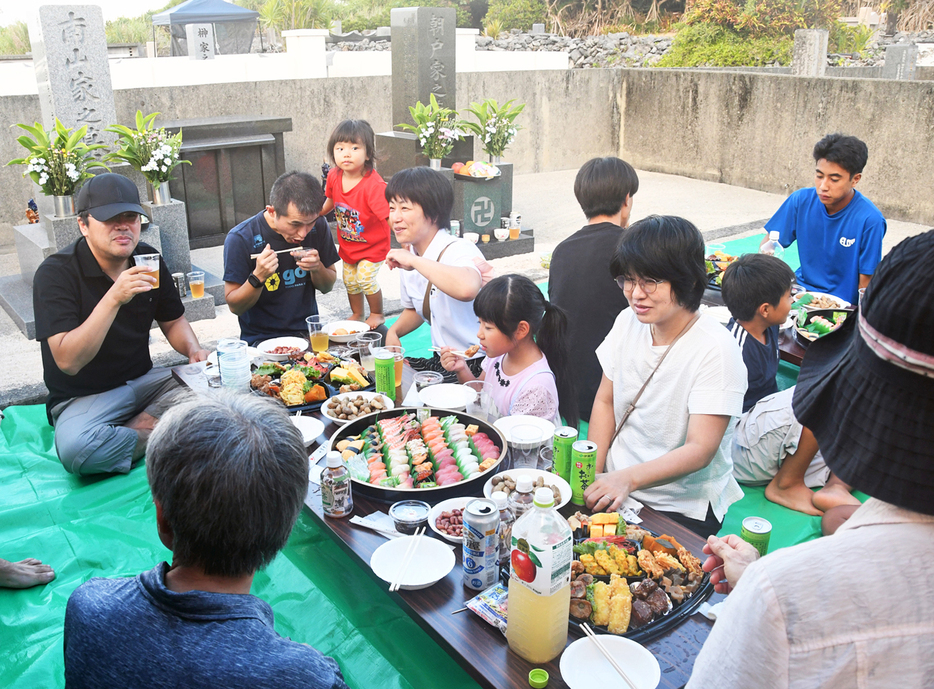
809 56
200 41
69 52
422 58
538 28
900 61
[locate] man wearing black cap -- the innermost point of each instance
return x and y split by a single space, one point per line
94 309
853 609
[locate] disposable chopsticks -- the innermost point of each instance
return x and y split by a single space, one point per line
453 351
281 251
606 654
406 559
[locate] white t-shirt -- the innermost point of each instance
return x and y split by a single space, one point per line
453 322
703 374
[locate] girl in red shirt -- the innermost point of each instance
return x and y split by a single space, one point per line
357 194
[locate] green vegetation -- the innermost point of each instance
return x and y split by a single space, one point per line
516 14
14 39
712 45
853 40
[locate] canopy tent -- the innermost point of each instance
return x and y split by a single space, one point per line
233 25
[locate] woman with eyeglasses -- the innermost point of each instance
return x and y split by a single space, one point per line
672 379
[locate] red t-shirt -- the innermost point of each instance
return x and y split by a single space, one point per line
362 212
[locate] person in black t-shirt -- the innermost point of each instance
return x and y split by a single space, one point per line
579 280
94 309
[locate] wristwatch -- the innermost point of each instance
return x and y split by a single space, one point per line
255 281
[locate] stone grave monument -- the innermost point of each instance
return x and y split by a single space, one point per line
423 64
73 76
809 55
900 61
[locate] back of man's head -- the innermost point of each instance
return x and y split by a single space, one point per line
602 185
230 473
846 151
300 189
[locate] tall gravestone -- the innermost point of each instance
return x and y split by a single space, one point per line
809 55
900 61
423 65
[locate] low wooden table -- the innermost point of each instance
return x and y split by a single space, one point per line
788 348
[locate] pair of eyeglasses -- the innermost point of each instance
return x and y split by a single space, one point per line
628 284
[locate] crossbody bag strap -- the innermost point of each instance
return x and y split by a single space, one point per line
632 405
426 306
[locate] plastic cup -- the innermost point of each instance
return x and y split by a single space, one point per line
485 238
196 284
479 406
862 291
525 440
365 345
399 354
424 379
546 458
514 232
151 263
317 336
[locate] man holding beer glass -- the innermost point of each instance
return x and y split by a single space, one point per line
94 306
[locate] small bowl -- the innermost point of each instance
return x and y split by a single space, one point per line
501 233
472 236
409 515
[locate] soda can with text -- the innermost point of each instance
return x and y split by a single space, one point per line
385 372
757 532
583 469
481 544
564 438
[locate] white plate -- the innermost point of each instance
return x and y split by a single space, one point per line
507 423
447 506
550 480
252 352
309 426
447 396
431 561
841 304
265 347
352 327
345 395
720 313
583 666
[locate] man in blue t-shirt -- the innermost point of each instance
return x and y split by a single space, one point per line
273 293
839 231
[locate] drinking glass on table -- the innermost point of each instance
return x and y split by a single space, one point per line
481 403
399 354
525 440
546 458
196 284
424 379
151 263
316 334
365 345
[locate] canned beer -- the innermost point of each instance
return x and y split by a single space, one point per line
757 531
456 228
481 544
385 372
504 222
583 468
179 279
565 437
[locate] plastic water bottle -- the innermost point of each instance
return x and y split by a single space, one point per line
234 364
506 520
773 247
521 499
539 581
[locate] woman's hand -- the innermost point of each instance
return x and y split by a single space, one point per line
450 361
401 258
729 558
609 491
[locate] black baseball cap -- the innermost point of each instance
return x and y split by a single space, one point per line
107 195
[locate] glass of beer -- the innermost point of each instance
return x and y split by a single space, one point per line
399 354
317 335
151 263
196 284
365 345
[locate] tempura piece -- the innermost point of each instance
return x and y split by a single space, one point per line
591 566
692 564
648 563
601 604
293 393
620 605
667 562
628 565
292 377
606 562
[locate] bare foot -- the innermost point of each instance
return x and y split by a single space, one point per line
356 317
797 497
24 574
834 494
375 320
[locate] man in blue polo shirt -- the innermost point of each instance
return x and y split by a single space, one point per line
273 293
839 231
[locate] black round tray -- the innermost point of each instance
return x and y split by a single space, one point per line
311 406
826 313
429 495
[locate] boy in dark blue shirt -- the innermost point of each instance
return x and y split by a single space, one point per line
769 445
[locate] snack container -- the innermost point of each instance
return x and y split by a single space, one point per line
409 515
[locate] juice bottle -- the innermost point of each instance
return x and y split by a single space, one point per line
539 581
336 496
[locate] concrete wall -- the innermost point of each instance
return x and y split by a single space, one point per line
758 131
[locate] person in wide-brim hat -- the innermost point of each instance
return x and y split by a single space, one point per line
867 390
855 608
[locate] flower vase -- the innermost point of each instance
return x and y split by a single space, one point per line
495 160
64 205
161 194
434 163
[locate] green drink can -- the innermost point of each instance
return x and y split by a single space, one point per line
583 469
565 437
757 531
385 372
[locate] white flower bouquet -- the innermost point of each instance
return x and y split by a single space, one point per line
154 152
58 160
497 124
437 128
